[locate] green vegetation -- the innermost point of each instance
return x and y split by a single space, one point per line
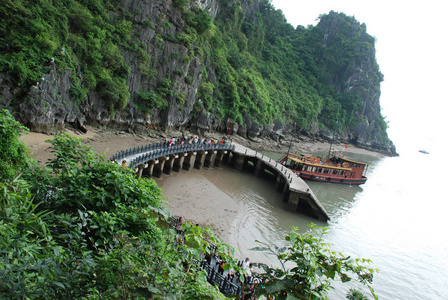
308 267
78 35
262 67
271 72
85 228
148 100
14 156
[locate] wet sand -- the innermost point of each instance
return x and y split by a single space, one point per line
199 201
188 194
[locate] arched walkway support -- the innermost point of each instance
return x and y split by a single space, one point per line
155 159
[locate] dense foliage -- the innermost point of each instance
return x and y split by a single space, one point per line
271 71
262 66
84 228
14 156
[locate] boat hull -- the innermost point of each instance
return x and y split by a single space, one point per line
329 179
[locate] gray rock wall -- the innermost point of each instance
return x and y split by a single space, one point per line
48 103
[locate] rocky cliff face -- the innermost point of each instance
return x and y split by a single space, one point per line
358 76
49 102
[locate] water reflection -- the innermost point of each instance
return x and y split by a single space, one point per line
337 199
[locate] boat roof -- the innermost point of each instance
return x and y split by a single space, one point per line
318 165
350 160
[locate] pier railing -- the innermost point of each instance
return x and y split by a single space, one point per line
143 154
225 285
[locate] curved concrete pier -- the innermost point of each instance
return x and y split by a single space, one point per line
294 189
156 159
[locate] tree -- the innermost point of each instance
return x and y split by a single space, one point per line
308 266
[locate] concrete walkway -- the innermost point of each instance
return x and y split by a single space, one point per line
295 184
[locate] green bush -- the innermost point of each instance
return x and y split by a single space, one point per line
181 3
14 156
76 91
85 228
165 88
308 267
114 92
148 100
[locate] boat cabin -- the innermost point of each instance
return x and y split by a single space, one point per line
336 169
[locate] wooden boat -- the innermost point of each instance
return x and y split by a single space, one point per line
336 169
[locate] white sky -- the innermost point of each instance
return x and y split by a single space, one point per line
412 49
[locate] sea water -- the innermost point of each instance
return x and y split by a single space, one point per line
396 219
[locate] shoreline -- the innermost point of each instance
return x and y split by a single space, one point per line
187 196
108 142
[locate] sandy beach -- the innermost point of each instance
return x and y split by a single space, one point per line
188 196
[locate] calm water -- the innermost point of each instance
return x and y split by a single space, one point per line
396 219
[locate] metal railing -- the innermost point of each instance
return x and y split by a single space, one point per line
225 285
143 154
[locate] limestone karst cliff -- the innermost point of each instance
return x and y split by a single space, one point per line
199 64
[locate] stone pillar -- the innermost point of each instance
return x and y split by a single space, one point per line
239 161
140 170
147 172
259 168
219 157
189 161
279 182
309 206
169 164
228 156
286 193
200 158
294 198
158 168
179 161
209 158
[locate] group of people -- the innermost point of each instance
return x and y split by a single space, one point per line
248 269
124 164
245 265
192 140
180 141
